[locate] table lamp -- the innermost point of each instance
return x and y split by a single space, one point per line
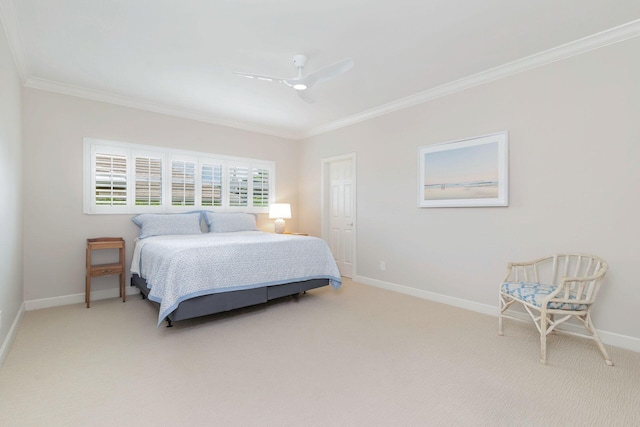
279 211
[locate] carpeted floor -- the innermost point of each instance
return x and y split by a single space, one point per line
360 356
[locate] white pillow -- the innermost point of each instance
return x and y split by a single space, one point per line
226 222
164 224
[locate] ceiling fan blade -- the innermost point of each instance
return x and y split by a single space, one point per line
305 97
300 83
327 73
258 77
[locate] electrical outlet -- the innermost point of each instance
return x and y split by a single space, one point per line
383 265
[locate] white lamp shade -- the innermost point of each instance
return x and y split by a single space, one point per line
280 210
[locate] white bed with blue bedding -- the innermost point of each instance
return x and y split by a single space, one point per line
192 273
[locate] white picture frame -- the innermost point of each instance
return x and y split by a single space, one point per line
470 172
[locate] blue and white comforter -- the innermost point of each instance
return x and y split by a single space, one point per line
177 268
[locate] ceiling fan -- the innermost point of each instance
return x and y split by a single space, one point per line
301 83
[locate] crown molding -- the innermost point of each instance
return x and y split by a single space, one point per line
577 47
9 21
143 104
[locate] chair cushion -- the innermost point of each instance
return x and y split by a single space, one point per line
535 293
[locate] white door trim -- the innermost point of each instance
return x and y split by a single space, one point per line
324 201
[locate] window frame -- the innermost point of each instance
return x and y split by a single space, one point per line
92 147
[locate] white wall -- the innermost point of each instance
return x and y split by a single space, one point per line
11 297
55 227
574 132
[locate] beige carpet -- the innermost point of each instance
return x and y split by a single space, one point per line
360 356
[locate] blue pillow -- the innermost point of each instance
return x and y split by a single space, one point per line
165 224
226 222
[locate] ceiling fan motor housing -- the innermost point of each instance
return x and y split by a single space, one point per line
300 60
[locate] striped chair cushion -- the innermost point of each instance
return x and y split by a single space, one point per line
534 293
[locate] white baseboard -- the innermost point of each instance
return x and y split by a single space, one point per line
432 296
77 298
610 338
6 345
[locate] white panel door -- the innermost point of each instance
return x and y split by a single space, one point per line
341 214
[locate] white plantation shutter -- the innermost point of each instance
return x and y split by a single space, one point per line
238 186
183 183
148 177
122 178
110 180
261 187
211 184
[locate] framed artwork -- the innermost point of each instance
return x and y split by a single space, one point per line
463 173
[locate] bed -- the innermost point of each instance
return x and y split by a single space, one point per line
190 274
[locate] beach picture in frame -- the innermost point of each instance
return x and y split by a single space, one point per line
463 173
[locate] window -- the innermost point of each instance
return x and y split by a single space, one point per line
148 175
211 179
110 179
131 178
183 183
238 186
261 187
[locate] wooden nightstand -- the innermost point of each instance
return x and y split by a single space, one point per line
105 269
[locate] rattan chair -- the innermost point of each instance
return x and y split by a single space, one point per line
563 285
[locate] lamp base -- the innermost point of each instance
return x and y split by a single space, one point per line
279 225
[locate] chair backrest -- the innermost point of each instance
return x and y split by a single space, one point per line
582 274
574 265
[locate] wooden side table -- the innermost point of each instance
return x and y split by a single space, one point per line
105 269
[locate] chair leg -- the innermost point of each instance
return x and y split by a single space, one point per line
591 329
543 338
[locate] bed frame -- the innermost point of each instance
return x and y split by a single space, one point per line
226 301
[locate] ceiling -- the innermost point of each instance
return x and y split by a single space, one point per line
177 57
